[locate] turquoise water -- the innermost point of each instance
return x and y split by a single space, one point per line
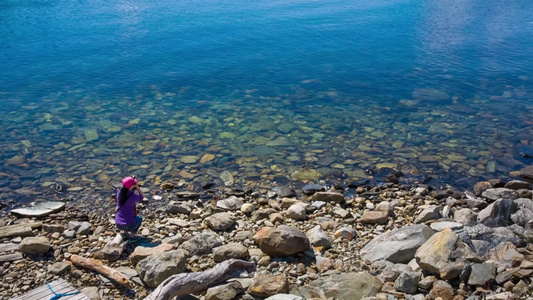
273 91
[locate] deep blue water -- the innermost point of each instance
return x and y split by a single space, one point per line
345 57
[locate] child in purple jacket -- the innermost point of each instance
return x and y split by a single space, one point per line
127 219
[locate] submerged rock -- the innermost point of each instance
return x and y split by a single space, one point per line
40 209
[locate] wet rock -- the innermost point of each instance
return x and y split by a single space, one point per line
175 207
227 291
141 252
374 217
34 245
481 273
407 282
430 213
167 186
227 178
58 268
230 203
482 186
311 189
40 209
297 212
202 243
436 253
220 221
333 197
156 268
228 251
268 285
354 286
465 216
284 191
318 237
91 292
281 241
398 245
517 185
527 174
500 193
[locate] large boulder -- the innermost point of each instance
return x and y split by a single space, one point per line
202 243
156 268
281 241
220 221
344 286
435 255
141 252
34 245
398 245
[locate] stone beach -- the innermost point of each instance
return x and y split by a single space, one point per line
324 241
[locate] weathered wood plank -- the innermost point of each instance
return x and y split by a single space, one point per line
10 257
8 247
59 286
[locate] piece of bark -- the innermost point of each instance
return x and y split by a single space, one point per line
195 283
98 266
114 248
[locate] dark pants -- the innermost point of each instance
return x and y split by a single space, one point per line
134 227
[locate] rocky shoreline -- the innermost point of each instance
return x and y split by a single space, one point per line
390 241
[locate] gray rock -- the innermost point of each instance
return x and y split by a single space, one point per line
156 268
341 213
527 174
58 268
8 247
430 213
91 292
40 209
34 245
230 203
73 225
318 237
465 216
128 272
435 255
407 282
175 207
220 221
440 226
499 213
310 189
84 229
374 217
500 193
51 228
69 234
228 291
284 191
353 286
485 238
268 285
262 214
297 212
398 245
281 241
517 185
202 243
391 272
481 273
328 197
228 251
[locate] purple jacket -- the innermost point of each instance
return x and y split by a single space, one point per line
126 212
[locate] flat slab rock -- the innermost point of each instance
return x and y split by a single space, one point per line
40 209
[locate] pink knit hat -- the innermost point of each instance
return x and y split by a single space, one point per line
129 182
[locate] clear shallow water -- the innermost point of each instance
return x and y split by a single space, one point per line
275 91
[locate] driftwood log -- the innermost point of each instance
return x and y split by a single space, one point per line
195 283
98 266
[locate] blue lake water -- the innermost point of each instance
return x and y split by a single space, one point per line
270 91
